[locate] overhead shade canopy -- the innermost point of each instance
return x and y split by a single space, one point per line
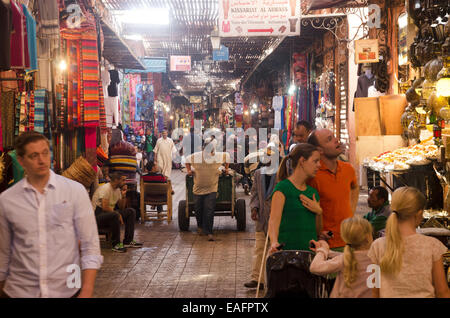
325 4
117 52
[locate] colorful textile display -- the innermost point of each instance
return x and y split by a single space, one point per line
102 157
7 108
90 79
102 110
19 41
31 35
125 97
39 110
91 146
144 102
23 112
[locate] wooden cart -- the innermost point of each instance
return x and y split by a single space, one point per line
226 203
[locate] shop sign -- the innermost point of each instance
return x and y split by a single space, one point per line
366 51
180 63
222 54
151 66
259 18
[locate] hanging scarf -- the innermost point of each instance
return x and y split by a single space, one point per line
8 120
23 112
90 79
39 110
31 112
103 126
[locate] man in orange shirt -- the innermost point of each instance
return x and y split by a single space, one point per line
336 183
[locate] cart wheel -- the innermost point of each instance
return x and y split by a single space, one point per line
183 221
240 215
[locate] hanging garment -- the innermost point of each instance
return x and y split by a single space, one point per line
19 41
114 76
112 90
103 125
5 35
39 110
49 18
90 79
31 112
8 107
23 113
277 105
31 35
18 172
226 26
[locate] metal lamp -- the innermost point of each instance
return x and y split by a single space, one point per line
215 39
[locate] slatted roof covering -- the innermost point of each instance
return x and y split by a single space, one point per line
191 23
117 52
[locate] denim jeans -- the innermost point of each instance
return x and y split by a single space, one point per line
150 156
204 211
111 221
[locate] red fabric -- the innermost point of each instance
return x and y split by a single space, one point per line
91 146
19 40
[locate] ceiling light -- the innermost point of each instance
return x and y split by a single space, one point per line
62 65
152 16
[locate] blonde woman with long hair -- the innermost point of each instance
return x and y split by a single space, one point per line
411 264
351 266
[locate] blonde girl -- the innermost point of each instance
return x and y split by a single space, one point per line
351 266
411 264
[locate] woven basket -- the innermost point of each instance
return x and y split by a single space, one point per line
81 171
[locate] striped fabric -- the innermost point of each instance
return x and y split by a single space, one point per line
23 112
17 115
31 111
90 78
8 111
123 163
39 110
103 126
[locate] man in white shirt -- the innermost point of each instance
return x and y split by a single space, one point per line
206 174
47 230
104 202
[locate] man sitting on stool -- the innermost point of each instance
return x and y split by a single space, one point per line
104 202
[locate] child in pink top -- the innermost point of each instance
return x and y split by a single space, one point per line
351 266
411 264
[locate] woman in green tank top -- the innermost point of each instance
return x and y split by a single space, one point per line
296 215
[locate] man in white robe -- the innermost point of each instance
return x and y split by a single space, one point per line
163 154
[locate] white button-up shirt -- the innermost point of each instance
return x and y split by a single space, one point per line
39 235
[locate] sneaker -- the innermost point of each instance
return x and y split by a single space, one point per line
210 238
119 248
134 244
